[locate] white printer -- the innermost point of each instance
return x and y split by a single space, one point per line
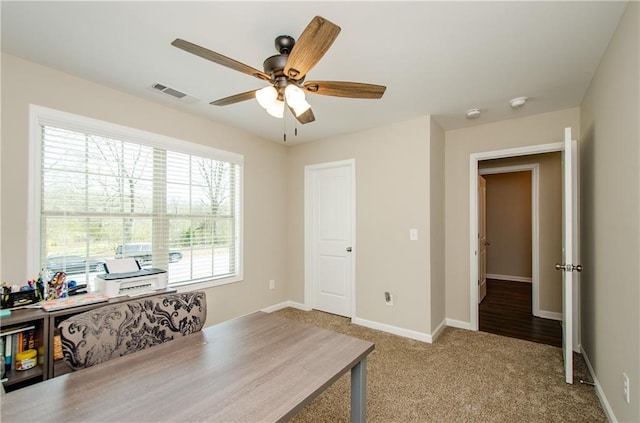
126 277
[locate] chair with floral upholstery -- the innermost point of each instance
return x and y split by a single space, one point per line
107 332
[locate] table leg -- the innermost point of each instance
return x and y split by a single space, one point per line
359 392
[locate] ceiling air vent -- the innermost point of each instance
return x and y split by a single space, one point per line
185 98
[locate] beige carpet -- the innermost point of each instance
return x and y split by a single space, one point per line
464 376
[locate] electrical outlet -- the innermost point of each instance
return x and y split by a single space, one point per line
388 298
625 388
272 284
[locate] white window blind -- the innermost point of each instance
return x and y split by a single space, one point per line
107 197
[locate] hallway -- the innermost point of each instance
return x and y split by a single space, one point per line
506 310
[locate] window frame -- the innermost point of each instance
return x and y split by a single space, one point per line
39 116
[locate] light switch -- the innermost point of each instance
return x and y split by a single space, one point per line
413 234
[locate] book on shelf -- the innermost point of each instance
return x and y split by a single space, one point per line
14 340
31 339
8 352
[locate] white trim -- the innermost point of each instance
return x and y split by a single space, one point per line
473 212
394 330
535 227
553 315
285 304
308 236
70 121
406 333
34 188
599 392
458 324
436 333
509 278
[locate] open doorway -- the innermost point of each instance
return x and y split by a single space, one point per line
523 241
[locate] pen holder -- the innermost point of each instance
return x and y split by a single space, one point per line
20 298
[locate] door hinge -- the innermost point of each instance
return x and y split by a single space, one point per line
569 267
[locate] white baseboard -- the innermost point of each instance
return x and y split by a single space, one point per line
286 304
599 392
436 333
407 333
554 315
509 278
458 324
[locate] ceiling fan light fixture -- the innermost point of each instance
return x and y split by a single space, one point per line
290 67
301 108
296 99
266 96
276 109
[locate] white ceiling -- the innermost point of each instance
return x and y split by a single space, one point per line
436 58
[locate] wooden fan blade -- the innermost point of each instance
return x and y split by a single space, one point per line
345 89
306 117
235 98
312 44
219 59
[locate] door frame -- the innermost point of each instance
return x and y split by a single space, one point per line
474 158
308 230
535 234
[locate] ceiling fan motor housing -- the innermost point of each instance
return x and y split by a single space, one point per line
274 65
284 44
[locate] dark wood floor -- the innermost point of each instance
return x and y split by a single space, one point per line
506 310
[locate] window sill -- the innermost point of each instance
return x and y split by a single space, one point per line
211 283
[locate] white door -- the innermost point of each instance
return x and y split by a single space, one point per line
569 249
482 238
330 228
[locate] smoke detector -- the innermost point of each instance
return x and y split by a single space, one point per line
473 113
517 102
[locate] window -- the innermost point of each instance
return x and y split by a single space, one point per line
104 191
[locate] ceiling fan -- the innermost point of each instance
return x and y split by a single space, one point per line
286 72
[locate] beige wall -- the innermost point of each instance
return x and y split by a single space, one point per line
25 83
392 196
610 190
508 215
460 144
437 219
549 222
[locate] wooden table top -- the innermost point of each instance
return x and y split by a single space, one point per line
258 367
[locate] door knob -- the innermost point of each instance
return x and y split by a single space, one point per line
348 249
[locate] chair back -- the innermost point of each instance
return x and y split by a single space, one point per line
101 334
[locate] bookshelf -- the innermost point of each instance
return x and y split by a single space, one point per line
24 321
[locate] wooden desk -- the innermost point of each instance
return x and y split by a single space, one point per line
258 367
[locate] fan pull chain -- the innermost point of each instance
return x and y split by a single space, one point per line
284 129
